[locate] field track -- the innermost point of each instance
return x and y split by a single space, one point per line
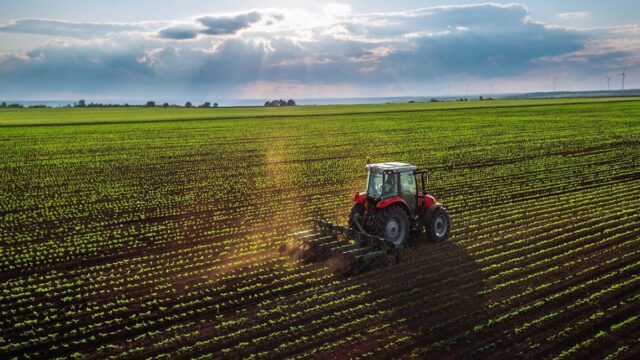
157 234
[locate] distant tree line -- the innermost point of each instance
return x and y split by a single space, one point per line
188 104
434 100
12 105
481 98
83 104
280 102
20 106
207 104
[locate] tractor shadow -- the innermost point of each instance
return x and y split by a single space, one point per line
431 295
435 295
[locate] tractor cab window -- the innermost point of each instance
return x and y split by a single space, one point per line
374 185
390 186
382 185
408 184
409 189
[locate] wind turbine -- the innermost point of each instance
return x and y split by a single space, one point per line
608 82
624 75
555 80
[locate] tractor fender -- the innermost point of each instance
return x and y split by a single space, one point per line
360 198
432 209
425 200
394 200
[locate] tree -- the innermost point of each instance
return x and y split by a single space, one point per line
81 103
188 104
282 103
215 105
291 102
267 103
166 105
151 103
4 104
205 105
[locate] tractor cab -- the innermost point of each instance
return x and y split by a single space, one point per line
392 179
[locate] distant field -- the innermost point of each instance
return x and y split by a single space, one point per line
108 115
147 232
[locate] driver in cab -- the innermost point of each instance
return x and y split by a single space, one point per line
389 185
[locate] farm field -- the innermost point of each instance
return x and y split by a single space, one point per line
155 233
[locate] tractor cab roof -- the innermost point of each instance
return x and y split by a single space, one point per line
395 167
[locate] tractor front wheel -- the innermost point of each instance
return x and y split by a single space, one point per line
392 223
438 225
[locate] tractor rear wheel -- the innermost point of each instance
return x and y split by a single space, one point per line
356 210
437 227
392 223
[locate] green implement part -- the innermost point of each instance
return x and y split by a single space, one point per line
348 250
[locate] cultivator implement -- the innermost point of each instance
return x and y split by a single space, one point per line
347 250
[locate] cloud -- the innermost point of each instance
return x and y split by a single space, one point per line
487 18
179 32
216 25
281 49
337 9
482 52
80 68
80 30
574 15
225 25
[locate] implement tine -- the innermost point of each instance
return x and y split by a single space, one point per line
297 233
313 235
358 250
342 248
319 241
331 243
335 228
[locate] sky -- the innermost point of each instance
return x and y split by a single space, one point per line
117 49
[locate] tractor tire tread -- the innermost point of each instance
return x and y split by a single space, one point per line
430 225
383 217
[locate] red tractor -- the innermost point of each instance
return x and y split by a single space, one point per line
395 208
392 210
